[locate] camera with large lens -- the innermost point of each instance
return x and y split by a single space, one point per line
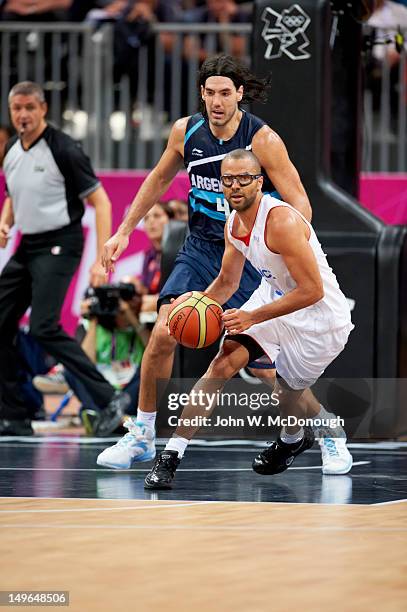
104 300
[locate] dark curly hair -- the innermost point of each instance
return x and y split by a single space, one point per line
254 88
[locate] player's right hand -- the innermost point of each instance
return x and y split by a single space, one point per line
112 250
4 235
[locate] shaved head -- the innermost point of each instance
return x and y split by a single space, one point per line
241 171
243 155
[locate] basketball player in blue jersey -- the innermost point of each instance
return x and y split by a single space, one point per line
200 143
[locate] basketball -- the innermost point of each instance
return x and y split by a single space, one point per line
195 320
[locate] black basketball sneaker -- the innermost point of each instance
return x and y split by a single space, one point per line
279 456
163 471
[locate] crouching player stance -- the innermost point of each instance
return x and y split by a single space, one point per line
298 316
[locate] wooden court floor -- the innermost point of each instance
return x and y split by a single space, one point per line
135 555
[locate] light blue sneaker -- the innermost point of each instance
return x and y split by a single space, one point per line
336 459
135 446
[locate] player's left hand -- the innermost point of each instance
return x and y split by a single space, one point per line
237 321
97 275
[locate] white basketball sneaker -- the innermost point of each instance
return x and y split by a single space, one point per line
336 459
135 446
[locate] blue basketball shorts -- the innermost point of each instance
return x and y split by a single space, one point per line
197 265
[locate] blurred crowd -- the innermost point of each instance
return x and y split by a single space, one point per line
130 11
387 22
132 22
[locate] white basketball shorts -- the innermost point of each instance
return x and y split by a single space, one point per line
300 356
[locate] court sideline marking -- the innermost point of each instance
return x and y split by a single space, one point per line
150 501
387 503
113 471
237 528
103 509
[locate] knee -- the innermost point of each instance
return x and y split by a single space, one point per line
267 376
160 341
287 396
223 366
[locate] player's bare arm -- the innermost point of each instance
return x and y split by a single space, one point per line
273 157
287 235
103 213
6 222
228 279
159 179
156 183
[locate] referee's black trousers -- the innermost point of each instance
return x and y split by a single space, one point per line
39 275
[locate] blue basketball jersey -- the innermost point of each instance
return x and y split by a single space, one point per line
203 154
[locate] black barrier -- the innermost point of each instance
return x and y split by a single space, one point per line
299 59
295 42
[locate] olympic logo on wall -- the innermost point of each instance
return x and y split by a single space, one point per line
294 22
284 33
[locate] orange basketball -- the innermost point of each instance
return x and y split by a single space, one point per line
195 320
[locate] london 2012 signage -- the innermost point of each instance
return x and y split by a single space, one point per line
284 33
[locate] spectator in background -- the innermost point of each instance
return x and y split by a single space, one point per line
179 210
5 134
101 9
154 223
174 236
160 10
35 10
216 11
132 30
389 17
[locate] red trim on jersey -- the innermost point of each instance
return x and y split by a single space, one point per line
246 239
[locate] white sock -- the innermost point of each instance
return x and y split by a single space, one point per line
177 444
291 438
334 431
147 418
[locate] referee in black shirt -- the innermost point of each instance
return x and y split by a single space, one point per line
48 176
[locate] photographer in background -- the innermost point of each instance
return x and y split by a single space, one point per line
114 340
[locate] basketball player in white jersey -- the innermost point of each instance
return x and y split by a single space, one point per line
298 316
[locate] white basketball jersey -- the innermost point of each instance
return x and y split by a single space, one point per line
331 312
